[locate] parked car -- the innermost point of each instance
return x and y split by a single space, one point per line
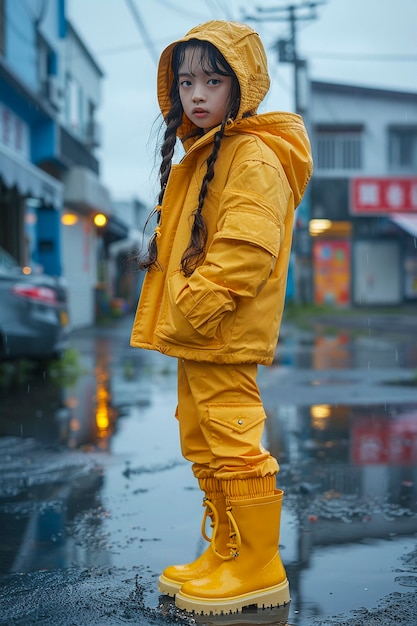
33 312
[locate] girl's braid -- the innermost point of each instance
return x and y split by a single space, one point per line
196 247
173 121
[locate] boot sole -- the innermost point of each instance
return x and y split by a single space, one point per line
168 586
276 596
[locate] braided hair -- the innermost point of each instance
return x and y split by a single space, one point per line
211 61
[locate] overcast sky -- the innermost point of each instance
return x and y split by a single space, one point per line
359 42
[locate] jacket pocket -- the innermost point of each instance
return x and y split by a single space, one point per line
236 430
174 327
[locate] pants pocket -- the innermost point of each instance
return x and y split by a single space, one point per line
235 433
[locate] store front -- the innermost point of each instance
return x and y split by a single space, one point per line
364 241
391 204
82 243
30 202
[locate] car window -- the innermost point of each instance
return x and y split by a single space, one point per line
6 260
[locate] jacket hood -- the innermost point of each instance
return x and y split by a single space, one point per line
242 48
285 134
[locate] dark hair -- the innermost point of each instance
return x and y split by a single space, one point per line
211 61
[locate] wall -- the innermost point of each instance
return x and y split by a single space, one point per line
377 112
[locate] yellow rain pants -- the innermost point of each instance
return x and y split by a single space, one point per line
221 421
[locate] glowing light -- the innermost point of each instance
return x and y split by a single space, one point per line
27 270
69 219
31 218
102 417
320 411
316 227
100 220
71 402
320 414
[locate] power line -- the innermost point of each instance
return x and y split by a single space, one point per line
342 56
142 29
123 49
287 48
348 56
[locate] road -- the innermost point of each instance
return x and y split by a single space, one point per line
95 498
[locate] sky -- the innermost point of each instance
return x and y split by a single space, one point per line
357 42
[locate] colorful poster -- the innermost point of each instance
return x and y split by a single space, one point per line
331 260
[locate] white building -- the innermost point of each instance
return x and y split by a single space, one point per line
363 195
84 195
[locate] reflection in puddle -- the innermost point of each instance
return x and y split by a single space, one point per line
44 490
349 474
73 409
345 350
83 487
249 616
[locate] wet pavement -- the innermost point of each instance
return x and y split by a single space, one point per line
95 498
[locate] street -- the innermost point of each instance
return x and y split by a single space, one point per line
96 499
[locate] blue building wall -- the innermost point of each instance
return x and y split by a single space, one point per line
24 20
21 42
48 243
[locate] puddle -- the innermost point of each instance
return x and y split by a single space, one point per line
349 521
95 497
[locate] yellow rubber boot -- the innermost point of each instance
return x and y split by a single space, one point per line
254 575
173 577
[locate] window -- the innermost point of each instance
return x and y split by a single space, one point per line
74 109
402 143
338 148
47 73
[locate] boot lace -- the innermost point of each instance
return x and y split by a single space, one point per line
234 536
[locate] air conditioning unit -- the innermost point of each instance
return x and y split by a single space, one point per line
93 134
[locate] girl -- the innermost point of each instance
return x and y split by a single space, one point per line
213 298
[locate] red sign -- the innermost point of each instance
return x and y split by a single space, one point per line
376 196
383 440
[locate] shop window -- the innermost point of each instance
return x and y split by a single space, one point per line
402 142
338 148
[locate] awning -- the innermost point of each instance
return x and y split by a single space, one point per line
114 230
133 241
29 179
84 191
406 222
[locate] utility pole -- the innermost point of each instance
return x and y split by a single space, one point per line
287 48
301 265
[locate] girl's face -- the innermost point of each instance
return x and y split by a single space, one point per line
204 94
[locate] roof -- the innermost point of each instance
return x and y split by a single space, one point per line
359 90
84 48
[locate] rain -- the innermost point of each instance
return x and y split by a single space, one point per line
96 498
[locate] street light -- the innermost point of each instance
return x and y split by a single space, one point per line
100 220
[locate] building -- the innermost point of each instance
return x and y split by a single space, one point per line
55 213
31 193
125 280
84 196
363 195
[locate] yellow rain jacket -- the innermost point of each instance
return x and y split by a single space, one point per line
229 310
